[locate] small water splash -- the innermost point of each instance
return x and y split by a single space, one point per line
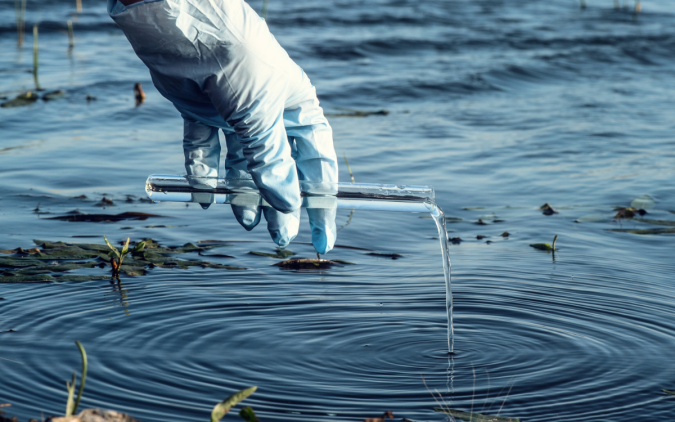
439 218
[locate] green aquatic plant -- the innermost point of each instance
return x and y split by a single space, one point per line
248 415
71 406
36 52
117 263
264 9
71 36
545 246
20 11
224 406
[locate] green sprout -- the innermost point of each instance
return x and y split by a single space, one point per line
117 257
71 406
224 406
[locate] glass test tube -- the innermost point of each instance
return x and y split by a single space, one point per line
366 196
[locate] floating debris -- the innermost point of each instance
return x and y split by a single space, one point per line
628 212
473 208
644 231
456 240
480 237
386 255
348 112
308 264
98 218
385 415
480 222
53 95
475 417
105 202
505 234
547 209
139 95
91 98
27 98
280 254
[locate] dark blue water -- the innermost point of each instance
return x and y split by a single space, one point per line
500 105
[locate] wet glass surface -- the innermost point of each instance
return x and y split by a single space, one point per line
502 106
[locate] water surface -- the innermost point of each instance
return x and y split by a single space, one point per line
500 105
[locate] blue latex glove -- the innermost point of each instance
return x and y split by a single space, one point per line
220 66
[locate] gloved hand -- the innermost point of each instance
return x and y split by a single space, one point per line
221 68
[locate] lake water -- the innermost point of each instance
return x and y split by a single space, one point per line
502 106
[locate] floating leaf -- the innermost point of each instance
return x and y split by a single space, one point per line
670 223
112 247
475 417
223 407
53 95
644 231
24 99
28 279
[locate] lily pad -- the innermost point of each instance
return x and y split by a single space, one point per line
475 417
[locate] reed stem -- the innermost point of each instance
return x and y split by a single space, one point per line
20 11
36 51
264 9
78 5
71 37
